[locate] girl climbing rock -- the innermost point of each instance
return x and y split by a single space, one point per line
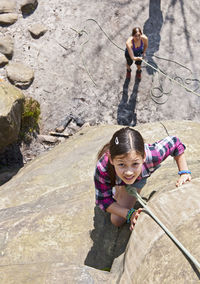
127 160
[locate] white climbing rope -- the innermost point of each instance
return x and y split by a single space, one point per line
156 69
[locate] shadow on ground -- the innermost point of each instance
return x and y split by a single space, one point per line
126 110
108 241
151 29
11 161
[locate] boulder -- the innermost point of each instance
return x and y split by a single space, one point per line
37 30
8 18
10 113
28 6
7 45
51 230
155 256
19 74
7 6
3 60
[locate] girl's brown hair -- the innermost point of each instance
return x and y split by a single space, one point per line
135 30
122 142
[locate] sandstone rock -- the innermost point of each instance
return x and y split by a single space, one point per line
50 227
8 19
37 30
28 6
6 45
19 74
158 258
7 6
3 60
10 113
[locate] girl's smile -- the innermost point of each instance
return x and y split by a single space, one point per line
128 167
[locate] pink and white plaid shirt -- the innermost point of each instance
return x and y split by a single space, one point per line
155 154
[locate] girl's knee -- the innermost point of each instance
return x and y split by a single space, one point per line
117 221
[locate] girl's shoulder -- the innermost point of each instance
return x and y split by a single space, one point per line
144 37
102 163
129 40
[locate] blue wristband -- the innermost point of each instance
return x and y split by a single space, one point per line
129 215
184 172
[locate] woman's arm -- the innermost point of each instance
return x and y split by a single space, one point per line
145 41
182 165
129 47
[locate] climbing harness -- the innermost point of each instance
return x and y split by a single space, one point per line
154 97
133 191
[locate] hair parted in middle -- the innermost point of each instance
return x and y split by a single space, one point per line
121 143
128 139
135 30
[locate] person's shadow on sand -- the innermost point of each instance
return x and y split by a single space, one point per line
126 110
151 29
108 241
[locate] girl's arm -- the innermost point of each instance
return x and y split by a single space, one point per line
182 165
118 210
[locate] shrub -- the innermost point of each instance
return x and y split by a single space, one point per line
30 120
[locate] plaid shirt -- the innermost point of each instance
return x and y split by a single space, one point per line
155 154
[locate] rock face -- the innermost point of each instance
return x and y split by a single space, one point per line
10 113
50 227
88 79
158 259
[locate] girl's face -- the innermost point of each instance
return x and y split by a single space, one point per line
128 167
137 35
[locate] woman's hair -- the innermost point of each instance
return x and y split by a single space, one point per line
135 30
122 142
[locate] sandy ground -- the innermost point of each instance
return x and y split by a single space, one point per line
80 70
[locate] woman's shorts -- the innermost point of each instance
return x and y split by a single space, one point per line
130 61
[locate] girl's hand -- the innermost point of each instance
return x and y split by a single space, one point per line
183 179
134 218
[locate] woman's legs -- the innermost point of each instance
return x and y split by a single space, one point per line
138 67
129 62
128 67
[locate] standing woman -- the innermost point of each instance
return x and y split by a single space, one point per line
136 46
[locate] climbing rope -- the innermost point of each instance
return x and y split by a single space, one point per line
133 191
171 79
80 33
165 128
156 69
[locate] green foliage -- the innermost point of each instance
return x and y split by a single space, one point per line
30 120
